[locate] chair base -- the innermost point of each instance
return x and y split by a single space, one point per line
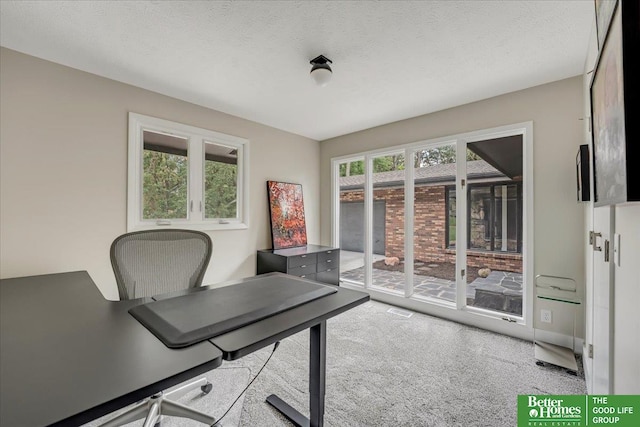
159 404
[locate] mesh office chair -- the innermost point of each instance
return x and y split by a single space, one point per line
148 263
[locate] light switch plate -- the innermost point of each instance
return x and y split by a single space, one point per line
616 249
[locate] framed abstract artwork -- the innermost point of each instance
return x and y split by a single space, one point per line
286 211
615 108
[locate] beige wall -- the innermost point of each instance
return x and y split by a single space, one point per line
556 110
64 171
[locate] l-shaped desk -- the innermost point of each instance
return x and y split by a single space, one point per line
68 356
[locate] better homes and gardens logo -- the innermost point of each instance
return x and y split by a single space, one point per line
553 411
578 411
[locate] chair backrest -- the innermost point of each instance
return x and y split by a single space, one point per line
153 262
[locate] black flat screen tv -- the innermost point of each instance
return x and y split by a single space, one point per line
615 108
582 173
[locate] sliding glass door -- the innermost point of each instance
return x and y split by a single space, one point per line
439 222
351 228
387 231
434 224
494 210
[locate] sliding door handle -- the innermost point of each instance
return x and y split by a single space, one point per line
595 242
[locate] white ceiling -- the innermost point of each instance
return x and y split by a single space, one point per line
391 60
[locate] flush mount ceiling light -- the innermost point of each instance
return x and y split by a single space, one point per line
321 71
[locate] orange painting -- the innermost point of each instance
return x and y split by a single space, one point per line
286 207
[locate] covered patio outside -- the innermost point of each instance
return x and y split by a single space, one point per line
494 223
500 290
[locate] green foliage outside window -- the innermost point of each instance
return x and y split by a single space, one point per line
440 156
355 168
424 158
220 189
380 164
164 185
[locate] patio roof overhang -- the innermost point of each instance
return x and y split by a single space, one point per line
504 154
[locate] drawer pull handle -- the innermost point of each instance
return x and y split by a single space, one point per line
303 256
328 260
303 275
302 266
329 252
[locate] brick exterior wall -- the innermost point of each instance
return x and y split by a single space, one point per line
429 223
429 229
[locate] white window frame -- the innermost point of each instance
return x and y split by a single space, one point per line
197 138
522 327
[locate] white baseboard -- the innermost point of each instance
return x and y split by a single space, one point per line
490 323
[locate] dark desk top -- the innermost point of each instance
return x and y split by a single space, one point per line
245 340
255 336
68 356
183 320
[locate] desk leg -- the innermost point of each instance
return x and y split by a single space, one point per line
317 373
317 376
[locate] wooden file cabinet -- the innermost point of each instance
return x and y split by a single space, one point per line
313 262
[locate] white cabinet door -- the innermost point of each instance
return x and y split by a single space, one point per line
602 315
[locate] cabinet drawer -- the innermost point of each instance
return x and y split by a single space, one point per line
299 260
327 265
331 277
333 255
302 270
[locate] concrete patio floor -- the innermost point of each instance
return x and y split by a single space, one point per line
501 290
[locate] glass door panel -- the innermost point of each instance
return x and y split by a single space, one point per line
351 220
388 173
434 224
494 225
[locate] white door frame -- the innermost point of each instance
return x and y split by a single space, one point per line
522 328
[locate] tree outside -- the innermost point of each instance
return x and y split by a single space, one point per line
165 187
424 158
220 189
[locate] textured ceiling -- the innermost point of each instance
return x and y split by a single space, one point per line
391 60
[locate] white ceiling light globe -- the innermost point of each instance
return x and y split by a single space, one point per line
321 76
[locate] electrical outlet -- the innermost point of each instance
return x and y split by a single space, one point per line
545 316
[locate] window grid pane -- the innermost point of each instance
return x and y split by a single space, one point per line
220 189
165 177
